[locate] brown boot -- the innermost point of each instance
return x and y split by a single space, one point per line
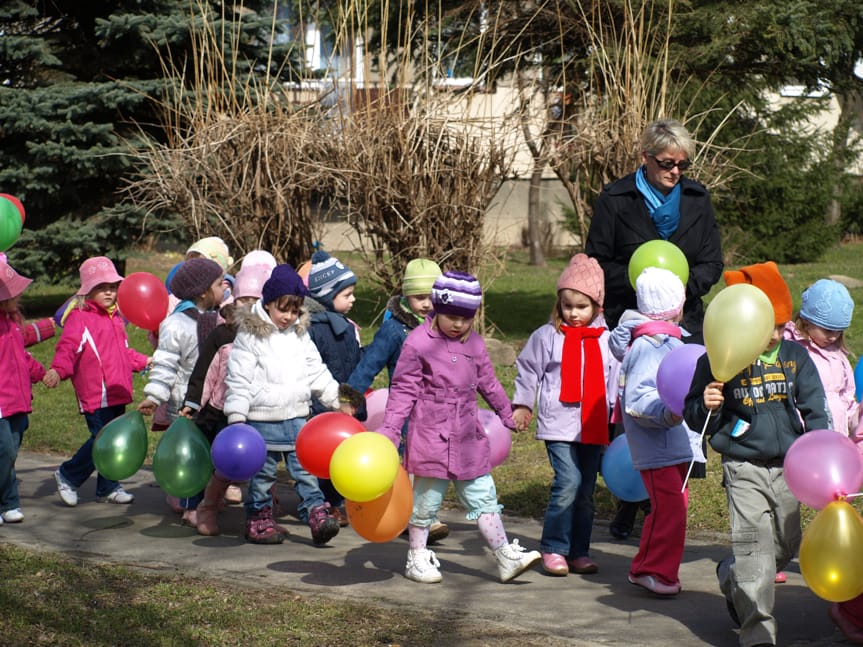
208 509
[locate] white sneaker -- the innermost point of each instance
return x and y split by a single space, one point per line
68 494
13 516
119 496
422 566
513 560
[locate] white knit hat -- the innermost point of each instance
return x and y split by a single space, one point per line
660 293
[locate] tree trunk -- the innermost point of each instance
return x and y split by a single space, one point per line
535 219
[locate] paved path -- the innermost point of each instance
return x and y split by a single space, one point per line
601 609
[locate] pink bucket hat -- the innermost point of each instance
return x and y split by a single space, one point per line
96 270
11 283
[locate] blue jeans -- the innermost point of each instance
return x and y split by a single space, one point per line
569 515
79 468
260 484
11 432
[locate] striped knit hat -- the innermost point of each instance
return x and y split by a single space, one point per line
328 277
457 294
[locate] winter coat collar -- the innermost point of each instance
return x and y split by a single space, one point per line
404 317
256 321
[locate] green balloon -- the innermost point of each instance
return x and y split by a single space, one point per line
10 224
181 463
658 253
120 447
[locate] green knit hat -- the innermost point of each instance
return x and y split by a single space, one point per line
420 275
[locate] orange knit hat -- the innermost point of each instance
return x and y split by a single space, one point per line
767 278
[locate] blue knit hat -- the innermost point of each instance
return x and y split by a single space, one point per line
284 281
457 294
328 277
826 303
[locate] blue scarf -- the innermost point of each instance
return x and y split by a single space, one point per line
664 209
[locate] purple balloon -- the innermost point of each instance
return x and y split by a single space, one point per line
238 451
675 375
499 437
821 466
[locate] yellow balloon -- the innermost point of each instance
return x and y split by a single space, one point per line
738 323
830 557
364 466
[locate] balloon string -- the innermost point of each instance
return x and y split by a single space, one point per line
851 496
701 440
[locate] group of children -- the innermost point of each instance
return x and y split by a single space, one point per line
281 348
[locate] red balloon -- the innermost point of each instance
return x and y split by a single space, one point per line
143 300
17 203
319 438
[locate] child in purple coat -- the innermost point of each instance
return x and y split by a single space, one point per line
442 366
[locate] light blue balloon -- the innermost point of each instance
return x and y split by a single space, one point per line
620 476
858 379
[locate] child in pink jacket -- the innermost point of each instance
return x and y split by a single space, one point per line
442 366
824 315
18 371
93 350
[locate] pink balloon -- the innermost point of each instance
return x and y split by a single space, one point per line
376 404
675 375
821 466
499 437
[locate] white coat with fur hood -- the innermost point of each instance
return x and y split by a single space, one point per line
272 374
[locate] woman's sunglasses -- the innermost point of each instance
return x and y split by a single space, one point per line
667 165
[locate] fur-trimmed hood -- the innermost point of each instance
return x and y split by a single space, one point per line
256 321
400 314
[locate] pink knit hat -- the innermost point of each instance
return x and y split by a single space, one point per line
584 275
96 270
11 283
250 280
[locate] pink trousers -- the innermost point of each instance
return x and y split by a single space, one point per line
664 532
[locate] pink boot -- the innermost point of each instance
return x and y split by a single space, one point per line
208 509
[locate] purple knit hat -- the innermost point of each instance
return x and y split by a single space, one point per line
283 281
194 277
457 294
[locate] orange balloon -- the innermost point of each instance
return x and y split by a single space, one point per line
383 519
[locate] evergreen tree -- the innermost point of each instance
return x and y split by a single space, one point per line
79 89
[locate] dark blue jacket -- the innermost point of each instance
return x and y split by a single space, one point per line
385 348
335 337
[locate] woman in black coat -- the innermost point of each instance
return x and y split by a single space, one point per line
656 202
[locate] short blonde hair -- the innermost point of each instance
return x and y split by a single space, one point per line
667 134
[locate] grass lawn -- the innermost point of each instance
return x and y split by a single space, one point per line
517 302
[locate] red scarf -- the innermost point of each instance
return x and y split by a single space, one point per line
589 391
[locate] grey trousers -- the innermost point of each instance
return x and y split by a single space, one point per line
765 535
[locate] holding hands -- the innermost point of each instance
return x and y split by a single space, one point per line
522 417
